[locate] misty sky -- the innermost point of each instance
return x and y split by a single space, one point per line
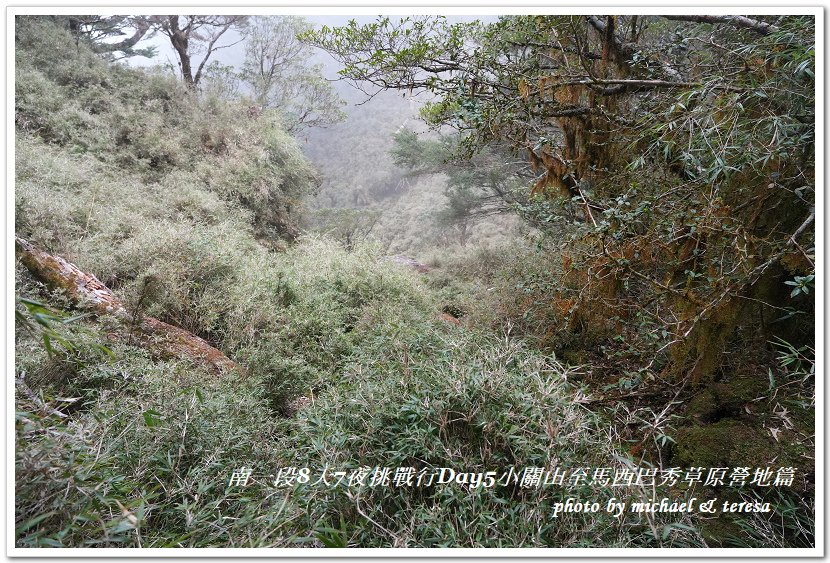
234 56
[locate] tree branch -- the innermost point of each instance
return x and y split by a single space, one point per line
742 22
625 49
142 26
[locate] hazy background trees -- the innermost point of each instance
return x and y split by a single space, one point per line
278 71
348 133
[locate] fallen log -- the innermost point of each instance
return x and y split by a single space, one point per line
408 262
87 292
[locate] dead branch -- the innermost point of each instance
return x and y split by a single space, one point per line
743 22
87 292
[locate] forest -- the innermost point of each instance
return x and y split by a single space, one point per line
537 281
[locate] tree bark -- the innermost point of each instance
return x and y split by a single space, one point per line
180 40
87 292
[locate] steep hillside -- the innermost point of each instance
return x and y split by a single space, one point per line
179 203
499 395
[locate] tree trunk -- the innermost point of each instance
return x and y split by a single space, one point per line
180 41
87 292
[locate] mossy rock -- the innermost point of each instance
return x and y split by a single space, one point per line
726 443
725 399
575 357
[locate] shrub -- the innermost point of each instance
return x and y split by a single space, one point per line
149 124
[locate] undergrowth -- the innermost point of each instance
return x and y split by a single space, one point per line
143 453
184 205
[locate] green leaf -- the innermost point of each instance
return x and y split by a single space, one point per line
32 522
47 343
152 418
331 537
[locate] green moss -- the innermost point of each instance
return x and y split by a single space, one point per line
575 357
726 443
802 414
725 399
732 427
701 354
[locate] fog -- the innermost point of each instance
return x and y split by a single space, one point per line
353 156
